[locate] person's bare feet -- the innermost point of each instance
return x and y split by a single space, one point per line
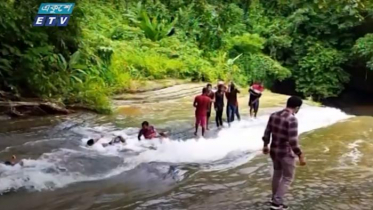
207 129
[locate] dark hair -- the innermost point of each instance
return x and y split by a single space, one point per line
145 123
208 85
204 90
90 142
294 102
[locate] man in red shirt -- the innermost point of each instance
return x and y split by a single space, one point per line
149 132
202 104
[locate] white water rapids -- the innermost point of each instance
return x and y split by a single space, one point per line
62 166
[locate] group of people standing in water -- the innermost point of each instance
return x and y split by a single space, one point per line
280 139
209 98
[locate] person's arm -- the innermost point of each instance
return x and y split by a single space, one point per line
293 137
140 134
267 133
195 102
155 132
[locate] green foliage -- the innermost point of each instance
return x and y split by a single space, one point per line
246 43
364 48
155 28
313 39
109 43
319 74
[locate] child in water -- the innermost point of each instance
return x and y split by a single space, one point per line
13 161
115 140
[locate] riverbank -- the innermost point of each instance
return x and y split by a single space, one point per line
152 92
12 106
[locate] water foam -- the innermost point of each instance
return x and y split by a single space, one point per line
237 144
240 137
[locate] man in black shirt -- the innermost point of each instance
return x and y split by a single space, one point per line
219 105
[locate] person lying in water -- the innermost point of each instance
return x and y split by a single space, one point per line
149 132
115 140
13 161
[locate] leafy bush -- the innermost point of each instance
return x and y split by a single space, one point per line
320 74
364 48
109 43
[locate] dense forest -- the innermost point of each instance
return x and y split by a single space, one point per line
109 43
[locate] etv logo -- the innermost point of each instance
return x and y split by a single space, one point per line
53 14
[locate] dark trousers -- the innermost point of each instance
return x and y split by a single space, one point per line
219 116
232 110
238 113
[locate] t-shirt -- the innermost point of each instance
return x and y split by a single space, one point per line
211 95
148 133
203 104
219 100
232 97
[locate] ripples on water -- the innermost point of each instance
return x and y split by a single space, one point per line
223 171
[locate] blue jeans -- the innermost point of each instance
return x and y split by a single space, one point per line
232 110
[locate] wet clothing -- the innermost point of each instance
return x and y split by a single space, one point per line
255 93
8 163
219 117
232 111
219 100
202 104
201 120
232 97
219 106
116 140
148 133
211 95
283 128
232 105
237 113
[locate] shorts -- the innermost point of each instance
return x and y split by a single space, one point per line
201 120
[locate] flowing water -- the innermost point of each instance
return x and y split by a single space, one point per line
224 171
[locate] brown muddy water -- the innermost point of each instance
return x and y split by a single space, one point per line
223 171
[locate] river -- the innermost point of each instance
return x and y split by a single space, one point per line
224 171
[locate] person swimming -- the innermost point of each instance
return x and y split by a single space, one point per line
13 161
149 132
115 140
